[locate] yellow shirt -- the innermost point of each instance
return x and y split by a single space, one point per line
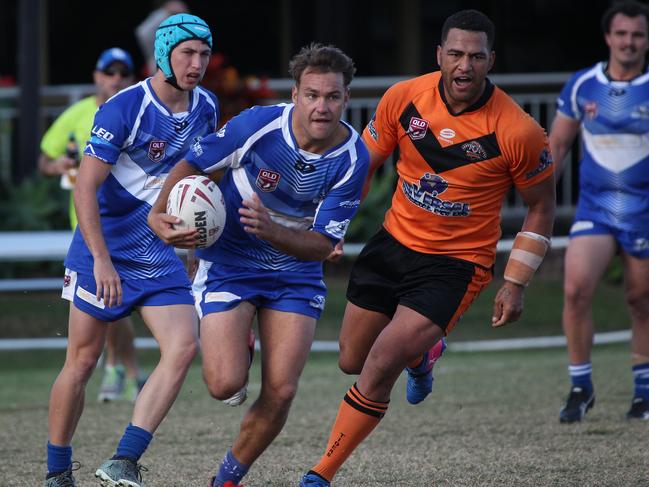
76 119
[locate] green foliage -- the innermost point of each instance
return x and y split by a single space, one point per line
371 212
35 204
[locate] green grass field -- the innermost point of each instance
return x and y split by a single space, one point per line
491 421
44 314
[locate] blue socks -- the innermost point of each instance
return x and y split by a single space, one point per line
59 458
231 469
581 375
134 442
641 381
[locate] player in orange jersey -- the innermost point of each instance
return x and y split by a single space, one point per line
462 143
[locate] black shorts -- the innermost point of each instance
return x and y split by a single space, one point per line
387 274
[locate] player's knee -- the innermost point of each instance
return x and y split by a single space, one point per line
638 303
349 365
82 365
575 295
221 387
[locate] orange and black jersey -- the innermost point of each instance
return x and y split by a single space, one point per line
454 169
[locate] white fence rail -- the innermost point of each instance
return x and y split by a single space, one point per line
53 246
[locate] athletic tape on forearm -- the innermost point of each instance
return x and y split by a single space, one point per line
526 256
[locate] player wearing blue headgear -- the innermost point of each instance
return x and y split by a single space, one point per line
116 263
172 32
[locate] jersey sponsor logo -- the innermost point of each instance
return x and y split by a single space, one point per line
641 112
545 161
590 109
102 133
474 150
196 148
317 302
425 196
349 204
304 167
154 182
221 132
615 91
157 150
372 129
417 128
67 279
447 135
337 229
267 180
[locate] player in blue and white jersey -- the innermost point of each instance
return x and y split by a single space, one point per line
115 263
609 102
293 181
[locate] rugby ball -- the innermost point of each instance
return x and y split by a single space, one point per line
198 202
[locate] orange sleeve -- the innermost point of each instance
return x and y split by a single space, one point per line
381 133
528 151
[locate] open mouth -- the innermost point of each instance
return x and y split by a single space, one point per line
462 82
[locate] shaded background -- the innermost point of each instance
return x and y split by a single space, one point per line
258 37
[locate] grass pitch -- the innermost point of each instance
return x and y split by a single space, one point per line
492 421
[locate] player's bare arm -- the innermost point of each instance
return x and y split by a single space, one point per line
92 173
563 133
536 230
162 223
303 244
376 161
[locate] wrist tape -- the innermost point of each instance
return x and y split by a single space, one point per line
526 256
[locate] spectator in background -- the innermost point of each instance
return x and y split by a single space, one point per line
61 148
609 102
145 31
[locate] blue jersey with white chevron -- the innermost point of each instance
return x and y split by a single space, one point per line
301 189
614 171
142 140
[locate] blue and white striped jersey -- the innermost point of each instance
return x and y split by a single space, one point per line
614 171
301 189
142 140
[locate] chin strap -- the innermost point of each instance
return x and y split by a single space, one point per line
172 81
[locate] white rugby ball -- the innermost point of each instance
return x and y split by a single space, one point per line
198 202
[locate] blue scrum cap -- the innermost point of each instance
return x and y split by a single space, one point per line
174 30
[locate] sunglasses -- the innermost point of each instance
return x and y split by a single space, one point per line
124 73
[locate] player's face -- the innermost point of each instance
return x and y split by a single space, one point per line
628 41
114 78
189 61
464 59
319 99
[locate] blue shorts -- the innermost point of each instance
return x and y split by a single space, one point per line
634 243
166 290
219 288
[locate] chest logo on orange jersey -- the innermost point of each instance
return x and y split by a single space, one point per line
417 128
474 150
426 195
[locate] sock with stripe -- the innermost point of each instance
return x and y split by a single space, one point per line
641 380
581 376
59 459
133 444
356 419
231 469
